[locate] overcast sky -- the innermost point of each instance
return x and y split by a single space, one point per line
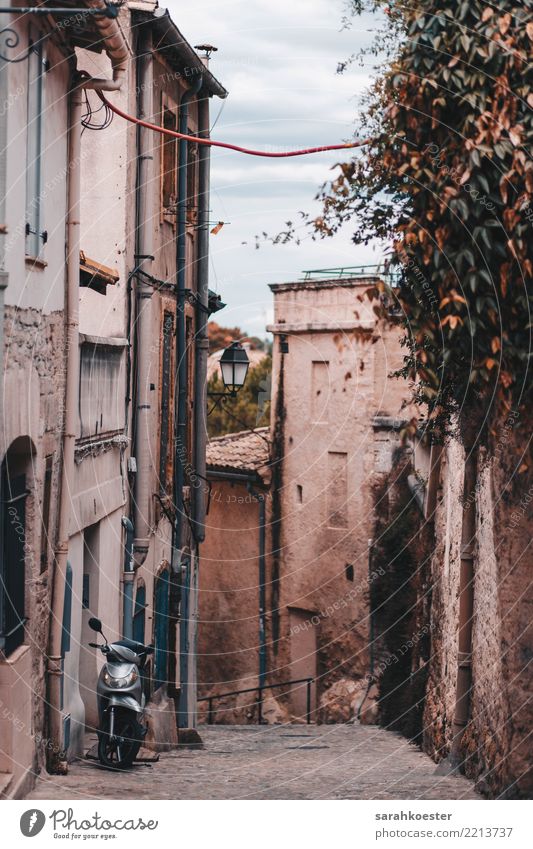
278 60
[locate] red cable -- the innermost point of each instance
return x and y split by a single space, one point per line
225 145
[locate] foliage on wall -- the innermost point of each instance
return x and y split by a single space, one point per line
447 181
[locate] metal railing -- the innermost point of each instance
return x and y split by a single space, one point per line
347 271
259 701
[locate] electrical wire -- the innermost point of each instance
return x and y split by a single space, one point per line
226 145
87 121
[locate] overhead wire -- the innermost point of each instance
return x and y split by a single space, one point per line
225 145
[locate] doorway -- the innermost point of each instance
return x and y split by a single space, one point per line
303 651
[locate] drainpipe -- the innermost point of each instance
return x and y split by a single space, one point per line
112 41
260 498
466 612
3 233
115 46
202 341
143 319
180 452
128 578
56 756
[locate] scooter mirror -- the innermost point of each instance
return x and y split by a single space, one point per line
95 624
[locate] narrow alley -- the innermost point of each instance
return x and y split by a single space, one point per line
271 762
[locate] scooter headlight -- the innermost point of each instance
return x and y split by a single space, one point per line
117 683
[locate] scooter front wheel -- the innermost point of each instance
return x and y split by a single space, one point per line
120 750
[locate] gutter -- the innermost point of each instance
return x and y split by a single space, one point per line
260 498
177 46
143 316
201 349
187 617
56 752
3 232
114 45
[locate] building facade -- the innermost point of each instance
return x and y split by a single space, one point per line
102 448
336 415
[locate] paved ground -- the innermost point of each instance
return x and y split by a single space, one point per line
271 762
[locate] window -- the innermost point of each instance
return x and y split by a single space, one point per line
102 369
161 611
165 442
169 163
319 391
35 235
12 556
337 489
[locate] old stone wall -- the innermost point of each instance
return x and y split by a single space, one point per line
496 743
333 433
228 627
33 414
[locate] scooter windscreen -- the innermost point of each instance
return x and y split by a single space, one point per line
123 653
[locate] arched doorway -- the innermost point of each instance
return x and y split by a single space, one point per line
14 476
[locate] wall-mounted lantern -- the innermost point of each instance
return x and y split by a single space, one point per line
234 365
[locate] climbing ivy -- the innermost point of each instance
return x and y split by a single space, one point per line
447 181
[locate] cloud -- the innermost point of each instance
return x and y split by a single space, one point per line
278 61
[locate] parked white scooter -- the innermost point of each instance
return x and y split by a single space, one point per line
121 700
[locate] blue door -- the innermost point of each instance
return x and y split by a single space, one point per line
138 614
161 629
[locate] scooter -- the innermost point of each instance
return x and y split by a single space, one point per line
121 700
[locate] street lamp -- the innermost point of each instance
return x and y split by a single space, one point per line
234 365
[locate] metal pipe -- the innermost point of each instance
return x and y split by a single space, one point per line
201 339
143 260
260 498
3 232
115 46
181 447
56 756
127 580
466 607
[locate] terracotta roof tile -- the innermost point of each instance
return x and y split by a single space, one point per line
247 451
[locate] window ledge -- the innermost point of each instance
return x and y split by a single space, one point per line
104 341
35 262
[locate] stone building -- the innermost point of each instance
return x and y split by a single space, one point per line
141 232
98 353
335 421
231 629
336 415
39 172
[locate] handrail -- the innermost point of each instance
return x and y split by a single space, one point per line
346 271
259 690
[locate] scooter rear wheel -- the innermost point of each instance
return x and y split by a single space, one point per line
121 752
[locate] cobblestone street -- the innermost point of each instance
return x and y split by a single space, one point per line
271 762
